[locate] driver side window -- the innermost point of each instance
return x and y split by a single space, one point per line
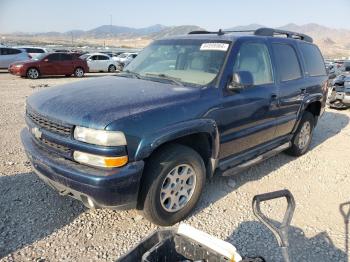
255 58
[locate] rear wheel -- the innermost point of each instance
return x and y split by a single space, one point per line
112 68
33 73
79 72
174 180
303 136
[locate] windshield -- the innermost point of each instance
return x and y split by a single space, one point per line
83 57
40 56
196 62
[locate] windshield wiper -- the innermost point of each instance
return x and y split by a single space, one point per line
166 77
137 75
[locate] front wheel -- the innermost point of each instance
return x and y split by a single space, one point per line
79 72
33 73
303 136
112 68
174 180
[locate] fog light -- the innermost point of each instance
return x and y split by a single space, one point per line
101 161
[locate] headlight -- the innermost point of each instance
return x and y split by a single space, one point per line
99 137
101 161
18 66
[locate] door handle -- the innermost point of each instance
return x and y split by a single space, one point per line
273 97
274 101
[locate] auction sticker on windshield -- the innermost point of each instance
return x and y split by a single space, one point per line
214 46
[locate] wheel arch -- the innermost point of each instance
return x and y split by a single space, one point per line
201 135
312 104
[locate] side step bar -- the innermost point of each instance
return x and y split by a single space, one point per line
237 169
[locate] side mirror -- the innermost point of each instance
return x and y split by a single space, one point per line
240 80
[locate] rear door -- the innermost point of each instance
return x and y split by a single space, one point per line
292 86
247 117
9 55
66 64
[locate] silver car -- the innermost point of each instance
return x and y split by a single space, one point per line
10 55
34 52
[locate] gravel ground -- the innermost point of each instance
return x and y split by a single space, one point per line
36 224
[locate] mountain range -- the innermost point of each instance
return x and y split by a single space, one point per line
332 42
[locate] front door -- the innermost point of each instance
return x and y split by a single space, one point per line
247 118
49 65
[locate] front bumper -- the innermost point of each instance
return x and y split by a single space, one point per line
16 71
99 188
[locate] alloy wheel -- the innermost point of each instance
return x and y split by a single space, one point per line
304 135
177 188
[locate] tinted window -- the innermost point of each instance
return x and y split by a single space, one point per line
286 62
313 60
65 57
53 57
102 57
255 58
10 51
34 50
95 57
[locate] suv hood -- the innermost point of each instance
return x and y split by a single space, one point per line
97 102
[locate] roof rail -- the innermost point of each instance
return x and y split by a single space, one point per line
199 32
263 31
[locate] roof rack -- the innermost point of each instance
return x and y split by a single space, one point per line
263 31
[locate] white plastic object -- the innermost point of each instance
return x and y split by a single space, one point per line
221 247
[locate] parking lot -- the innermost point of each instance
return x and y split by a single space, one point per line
36 224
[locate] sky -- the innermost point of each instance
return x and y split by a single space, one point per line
64 15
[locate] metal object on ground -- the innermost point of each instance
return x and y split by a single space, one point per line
280 232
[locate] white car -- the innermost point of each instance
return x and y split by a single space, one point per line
34 52
125 58
98 62
10 55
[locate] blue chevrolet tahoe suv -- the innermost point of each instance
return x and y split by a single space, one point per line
186 109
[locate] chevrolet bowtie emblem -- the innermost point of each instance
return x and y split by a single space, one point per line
36 132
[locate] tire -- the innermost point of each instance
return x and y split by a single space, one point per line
33 73
164 200
112 68
79 72
303 136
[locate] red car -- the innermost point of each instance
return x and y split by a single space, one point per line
50 64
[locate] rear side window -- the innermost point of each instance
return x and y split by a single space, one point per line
65 57
35 50
255 58
10 51
53 57
102 57
313 60
286 62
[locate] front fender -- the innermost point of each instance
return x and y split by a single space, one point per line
149 143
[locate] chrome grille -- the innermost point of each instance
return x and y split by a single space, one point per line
42 122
